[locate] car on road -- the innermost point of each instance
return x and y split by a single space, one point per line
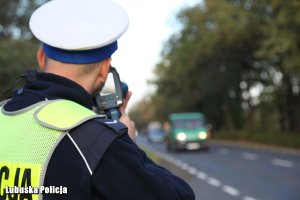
156 135
155 132
187 131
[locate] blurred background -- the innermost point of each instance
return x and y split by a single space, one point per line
234 62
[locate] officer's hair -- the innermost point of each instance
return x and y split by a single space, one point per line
88 68
85 69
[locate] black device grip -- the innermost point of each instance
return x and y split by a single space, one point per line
114 113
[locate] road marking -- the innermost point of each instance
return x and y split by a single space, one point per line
230 190
224 151
282 163
167 157
192 171
249 198
184 166
201 175
214 182
178 163
249 156
171 159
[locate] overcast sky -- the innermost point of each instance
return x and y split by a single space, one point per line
151 23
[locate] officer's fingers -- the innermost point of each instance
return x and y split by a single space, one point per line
132 131
130 125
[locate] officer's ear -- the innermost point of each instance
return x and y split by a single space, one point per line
104 69
41 58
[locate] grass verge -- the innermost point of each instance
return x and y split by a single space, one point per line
287 140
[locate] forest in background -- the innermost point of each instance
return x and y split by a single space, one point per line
237 61
17 46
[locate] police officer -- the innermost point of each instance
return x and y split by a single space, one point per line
53 146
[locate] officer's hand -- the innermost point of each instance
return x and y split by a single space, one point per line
125 118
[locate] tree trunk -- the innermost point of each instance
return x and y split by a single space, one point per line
292 106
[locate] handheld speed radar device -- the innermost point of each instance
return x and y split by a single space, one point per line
111 95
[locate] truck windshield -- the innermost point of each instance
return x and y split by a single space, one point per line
188 124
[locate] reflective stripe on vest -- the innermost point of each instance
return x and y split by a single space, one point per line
26 146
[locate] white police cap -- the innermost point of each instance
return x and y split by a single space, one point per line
79 26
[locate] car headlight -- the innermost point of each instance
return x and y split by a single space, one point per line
181 136
202 135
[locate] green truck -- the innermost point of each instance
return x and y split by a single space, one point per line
187 131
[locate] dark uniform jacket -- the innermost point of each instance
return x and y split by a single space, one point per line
125 172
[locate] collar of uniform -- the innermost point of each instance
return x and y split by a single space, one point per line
51 87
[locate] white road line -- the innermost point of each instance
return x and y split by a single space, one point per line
224 151
249 198
201 175
168 158
184 166
231 190
282 163
178 163
192 171
249 156
214 182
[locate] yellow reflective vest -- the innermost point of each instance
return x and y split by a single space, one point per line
28 138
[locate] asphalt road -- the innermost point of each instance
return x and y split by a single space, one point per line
230 172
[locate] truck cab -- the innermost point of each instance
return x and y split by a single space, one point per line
188 131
